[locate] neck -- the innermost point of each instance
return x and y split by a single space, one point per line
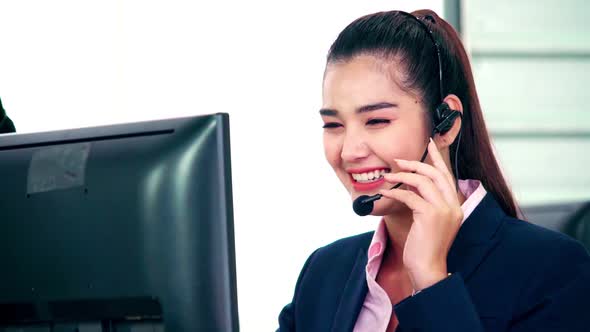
398 226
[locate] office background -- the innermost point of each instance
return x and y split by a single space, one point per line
67 64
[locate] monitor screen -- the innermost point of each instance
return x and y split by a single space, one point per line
118 228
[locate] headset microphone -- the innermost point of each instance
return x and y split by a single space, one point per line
363 205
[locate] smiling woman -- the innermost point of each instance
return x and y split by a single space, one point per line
449 253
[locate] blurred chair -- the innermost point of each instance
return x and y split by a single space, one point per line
572 219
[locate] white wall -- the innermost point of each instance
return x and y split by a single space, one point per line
66 64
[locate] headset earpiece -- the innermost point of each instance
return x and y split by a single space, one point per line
444 118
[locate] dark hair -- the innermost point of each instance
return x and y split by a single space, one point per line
395 36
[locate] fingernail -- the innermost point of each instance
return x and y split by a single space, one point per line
398 160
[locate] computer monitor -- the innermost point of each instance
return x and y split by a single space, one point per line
118 228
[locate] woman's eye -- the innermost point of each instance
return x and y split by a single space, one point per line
373 122
331 125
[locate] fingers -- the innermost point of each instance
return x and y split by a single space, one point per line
439 163
434 183
410 198
423 184
437 177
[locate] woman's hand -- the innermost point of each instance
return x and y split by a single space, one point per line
437 216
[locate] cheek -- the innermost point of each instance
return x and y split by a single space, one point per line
399 142
332 149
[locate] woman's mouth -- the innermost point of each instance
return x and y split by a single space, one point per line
368 179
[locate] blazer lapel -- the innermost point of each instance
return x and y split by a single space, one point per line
475 237
353 295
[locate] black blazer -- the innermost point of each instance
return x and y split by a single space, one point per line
508 275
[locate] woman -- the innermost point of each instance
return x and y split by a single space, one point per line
448 254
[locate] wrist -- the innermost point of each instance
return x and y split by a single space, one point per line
426 278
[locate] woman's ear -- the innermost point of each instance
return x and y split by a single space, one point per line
445 140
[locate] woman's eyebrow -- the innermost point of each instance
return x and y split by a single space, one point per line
375 107
328 112
362 109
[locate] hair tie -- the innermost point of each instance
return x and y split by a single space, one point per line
429 18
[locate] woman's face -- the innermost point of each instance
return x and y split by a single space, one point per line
369 121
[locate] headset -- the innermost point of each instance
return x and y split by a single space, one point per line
443 116
443 119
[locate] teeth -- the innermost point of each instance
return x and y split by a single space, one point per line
369 176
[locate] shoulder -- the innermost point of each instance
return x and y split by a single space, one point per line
358 241
336 259
346 248
539 261
321 282
524 238
543 266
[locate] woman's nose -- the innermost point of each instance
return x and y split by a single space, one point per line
354 147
